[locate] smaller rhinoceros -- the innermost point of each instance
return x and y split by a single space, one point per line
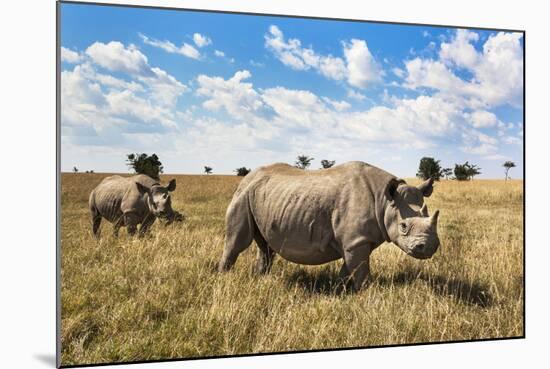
129 201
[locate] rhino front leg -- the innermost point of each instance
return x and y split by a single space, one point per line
131 221
357 264
146 225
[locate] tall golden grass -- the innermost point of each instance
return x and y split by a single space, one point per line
160 297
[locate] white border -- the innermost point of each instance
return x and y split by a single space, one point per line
27 332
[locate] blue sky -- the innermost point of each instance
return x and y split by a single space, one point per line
228 90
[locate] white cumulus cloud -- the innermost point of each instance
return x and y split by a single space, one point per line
201 40
185 49
361 66
497 70
358 67
70 56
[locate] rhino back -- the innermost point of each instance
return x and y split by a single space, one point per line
144 180
304 215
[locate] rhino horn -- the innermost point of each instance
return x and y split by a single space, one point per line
433 220
424 210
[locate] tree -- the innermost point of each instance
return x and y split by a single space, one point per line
207 169
507 166
145 164
75 169
327 163
466 171
429 168
303 161
446 172
242 171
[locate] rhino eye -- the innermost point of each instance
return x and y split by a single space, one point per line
403 227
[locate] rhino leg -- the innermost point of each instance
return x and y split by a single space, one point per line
343 275
119 223
239 232
265 257
131 221
357 263
96 222
146 225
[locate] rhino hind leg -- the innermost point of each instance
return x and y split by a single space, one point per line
239 232
265 257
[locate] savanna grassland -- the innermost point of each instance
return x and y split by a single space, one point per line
160 297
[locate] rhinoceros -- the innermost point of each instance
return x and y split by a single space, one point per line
130 201
316 216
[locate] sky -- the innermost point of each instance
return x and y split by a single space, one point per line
228 90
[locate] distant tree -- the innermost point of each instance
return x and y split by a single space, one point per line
91 170
87 171
466 171
429 168
446 172
207 169
507 166
242 171
75 170
327 163
303 161
145 164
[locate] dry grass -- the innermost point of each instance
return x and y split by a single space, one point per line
156 298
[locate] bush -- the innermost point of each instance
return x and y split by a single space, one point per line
466 171
145 164
429 168
327 163
242 171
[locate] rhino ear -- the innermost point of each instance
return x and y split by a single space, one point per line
427 187
391 187
171 186
143 189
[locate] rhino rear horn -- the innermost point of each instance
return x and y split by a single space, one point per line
426 187
424 210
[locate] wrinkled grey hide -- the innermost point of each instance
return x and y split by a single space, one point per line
130 201
314 217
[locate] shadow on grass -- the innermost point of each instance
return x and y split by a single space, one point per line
324 282
471 293
327 283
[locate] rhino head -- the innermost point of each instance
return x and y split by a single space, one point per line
159 200
407 221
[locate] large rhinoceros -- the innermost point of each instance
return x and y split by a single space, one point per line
130 201
317 216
